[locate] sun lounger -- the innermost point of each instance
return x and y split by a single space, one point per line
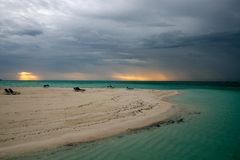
77 89
46 86
7 92
110 86
13 92
129 88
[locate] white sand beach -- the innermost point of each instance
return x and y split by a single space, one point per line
44 118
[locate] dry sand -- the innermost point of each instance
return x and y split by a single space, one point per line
43 118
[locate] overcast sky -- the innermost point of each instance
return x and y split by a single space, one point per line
120 39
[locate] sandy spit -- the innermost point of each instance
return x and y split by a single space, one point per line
44 118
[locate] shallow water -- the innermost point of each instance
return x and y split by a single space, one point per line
213 134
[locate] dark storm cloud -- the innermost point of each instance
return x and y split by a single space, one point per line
179 39
189 39
29 32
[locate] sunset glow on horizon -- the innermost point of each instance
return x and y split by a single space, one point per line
141 77
27 76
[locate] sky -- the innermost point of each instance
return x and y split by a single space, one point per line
162 40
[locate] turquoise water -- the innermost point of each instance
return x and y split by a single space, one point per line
214 134
120 84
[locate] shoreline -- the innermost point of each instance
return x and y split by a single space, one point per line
63 117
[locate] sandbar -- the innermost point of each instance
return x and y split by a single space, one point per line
45 118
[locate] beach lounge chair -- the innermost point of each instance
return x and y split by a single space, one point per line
46 86
129 88
7 92
110 86
77 89
13 92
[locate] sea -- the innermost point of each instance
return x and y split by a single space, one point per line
213 134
